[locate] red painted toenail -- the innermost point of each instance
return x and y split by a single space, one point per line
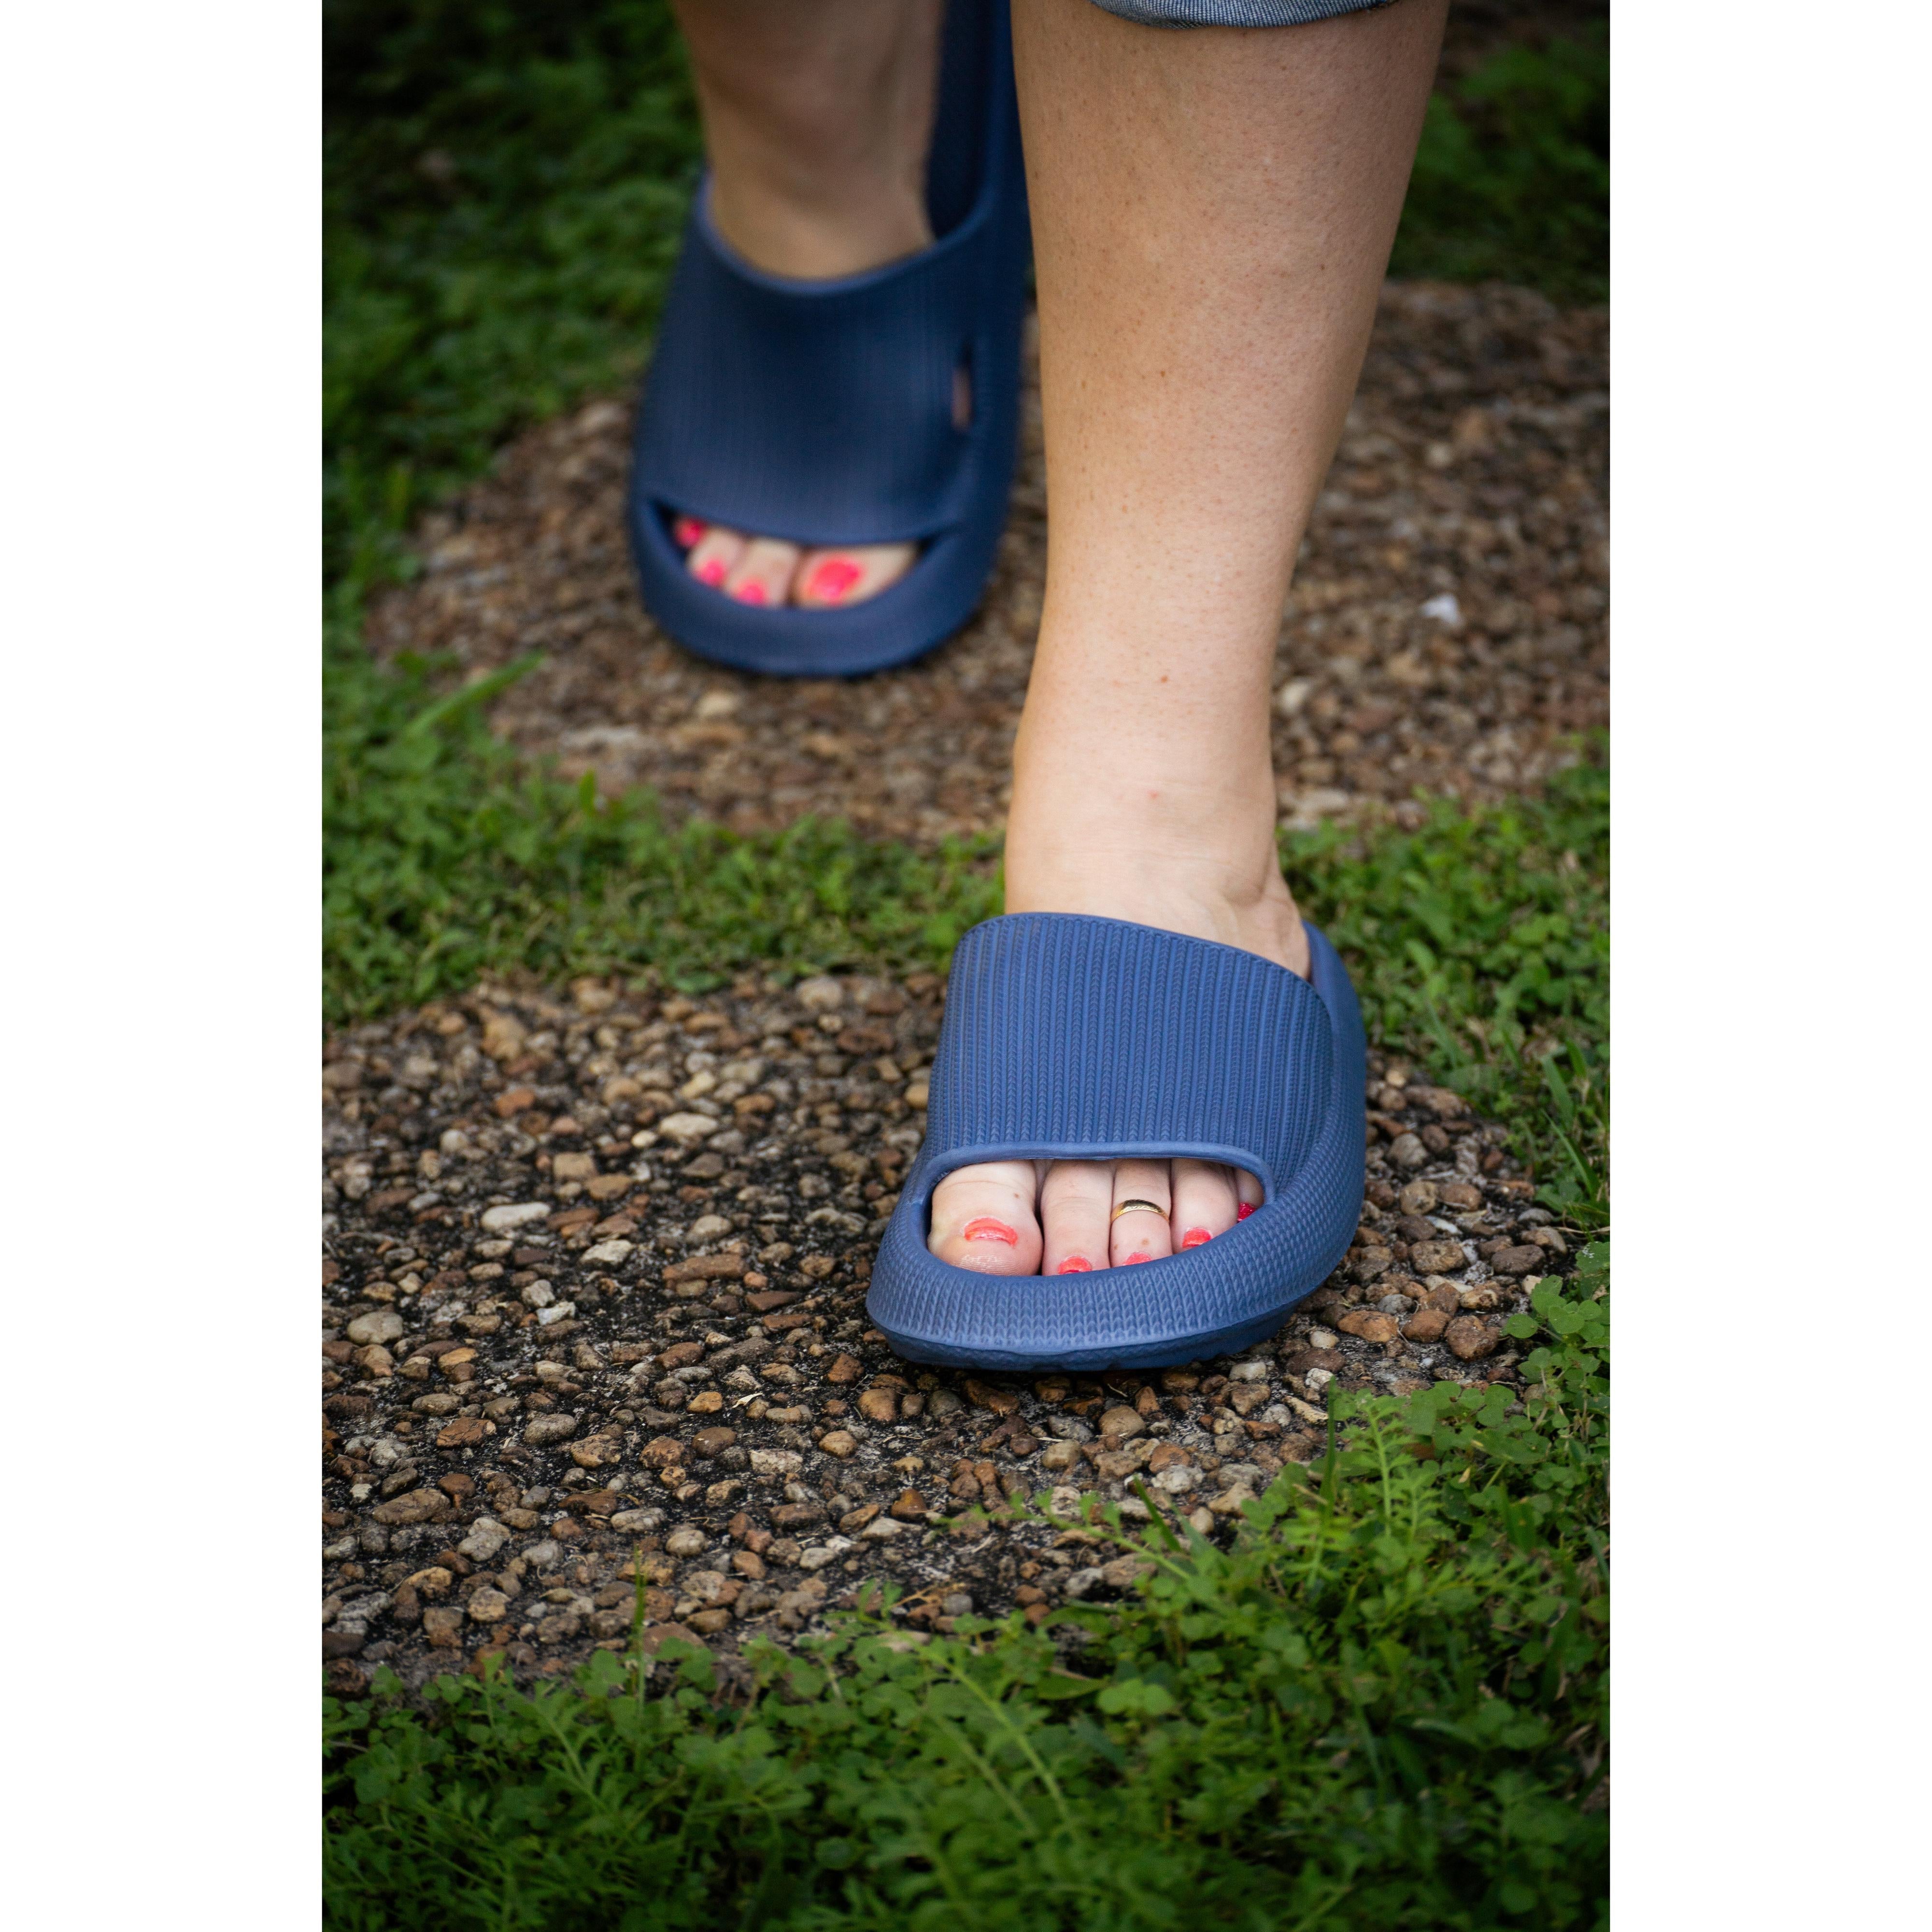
1242 1213
1132 1259
686 530
1074 1264
984 1227
1195 1237
834 577
711 570
751 592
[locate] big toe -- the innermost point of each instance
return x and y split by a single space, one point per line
983 1218
829 577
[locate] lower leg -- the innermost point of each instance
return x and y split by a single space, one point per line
817 118
1212 213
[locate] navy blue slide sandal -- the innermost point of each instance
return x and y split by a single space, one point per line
1071 1038
823 411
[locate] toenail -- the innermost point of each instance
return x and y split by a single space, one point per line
834 577
984 1227
711 570
1242 1213
1074 1264
750 591
686 531
1132 1259
1195 1237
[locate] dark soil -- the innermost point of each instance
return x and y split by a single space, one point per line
593 1286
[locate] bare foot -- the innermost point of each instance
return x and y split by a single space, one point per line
1184 849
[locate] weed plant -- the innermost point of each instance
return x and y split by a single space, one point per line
1381 1705
445 854
1512 180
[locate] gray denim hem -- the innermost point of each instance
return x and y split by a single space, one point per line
1235 13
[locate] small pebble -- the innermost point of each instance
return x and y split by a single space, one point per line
503 1220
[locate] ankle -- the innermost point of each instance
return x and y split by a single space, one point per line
815 225
1262 918
1115 853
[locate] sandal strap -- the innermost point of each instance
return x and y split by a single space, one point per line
1071 1037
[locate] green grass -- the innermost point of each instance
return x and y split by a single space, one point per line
1383 1707
445 854
1479 943
505 190
1512 179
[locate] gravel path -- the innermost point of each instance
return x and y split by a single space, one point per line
595 1261
1447 631
593 1298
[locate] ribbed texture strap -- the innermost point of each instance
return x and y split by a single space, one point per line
822 411
1064 1033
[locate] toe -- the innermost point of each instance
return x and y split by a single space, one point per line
1075 1201
1143 1189
983 1218
1204 1202
687 531
1247 1193
829 577
764 573
715 554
